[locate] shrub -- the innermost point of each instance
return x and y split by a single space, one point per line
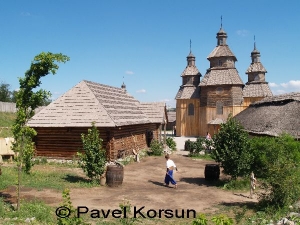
277 161
171 143
156 147
232 149
189 145
93 160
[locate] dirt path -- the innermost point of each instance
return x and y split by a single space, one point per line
143 186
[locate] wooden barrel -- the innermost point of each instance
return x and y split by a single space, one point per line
212 172
114 175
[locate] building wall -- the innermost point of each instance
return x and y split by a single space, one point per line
187 125
62 142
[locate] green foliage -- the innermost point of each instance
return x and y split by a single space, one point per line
5 93
156 147
126 206
171 143
200 220
189 145
222 220
68 212
277 162
232 149
37 211
93 159
238 184
27 101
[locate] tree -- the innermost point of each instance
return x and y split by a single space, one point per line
26 102
93 158
232 149
5 93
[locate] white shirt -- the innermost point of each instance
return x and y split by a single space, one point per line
170 163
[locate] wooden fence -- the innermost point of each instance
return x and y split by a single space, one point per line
8 107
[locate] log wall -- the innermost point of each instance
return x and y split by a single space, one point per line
57 142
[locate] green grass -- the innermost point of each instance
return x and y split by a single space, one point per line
6 120
45 179
42 213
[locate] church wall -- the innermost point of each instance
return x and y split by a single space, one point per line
208 114
249 100
187 125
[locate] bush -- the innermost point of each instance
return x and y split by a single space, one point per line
232 149
189 145
171 143
156 147
93 160
277 162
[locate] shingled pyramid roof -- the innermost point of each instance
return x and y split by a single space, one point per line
89 102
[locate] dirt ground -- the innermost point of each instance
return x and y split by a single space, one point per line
143 185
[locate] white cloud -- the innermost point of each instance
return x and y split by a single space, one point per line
292 84
279 92
129 72
273 85
141 91
242 33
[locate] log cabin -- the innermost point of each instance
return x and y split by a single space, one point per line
122 124
203 104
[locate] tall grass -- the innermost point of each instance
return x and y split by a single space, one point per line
6 120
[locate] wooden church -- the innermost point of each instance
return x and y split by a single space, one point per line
203 104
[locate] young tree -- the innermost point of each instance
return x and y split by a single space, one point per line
27 101
93 158
232 149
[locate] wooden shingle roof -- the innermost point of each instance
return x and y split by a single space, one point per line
191 70
220 51
221 76
256 67
87 102
155 111
257 89
188 92
273 116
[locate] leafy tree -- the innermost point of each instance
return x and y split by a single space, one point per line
5 93
276 160
27 101
232 149
93 158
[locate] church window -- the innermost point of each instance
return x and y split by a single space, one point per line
220 63
221 41
219 106
219 90
191 109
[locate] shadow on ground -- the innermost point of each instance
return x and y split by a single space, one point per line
202 182
76 179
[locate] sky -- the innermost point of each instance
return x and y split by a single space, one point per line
144 43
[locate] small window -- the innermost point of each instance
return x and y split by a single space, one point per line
191 109
219 106
221 41
220 63
219 90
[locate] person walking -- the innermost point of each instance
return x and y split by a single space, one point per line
169 173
